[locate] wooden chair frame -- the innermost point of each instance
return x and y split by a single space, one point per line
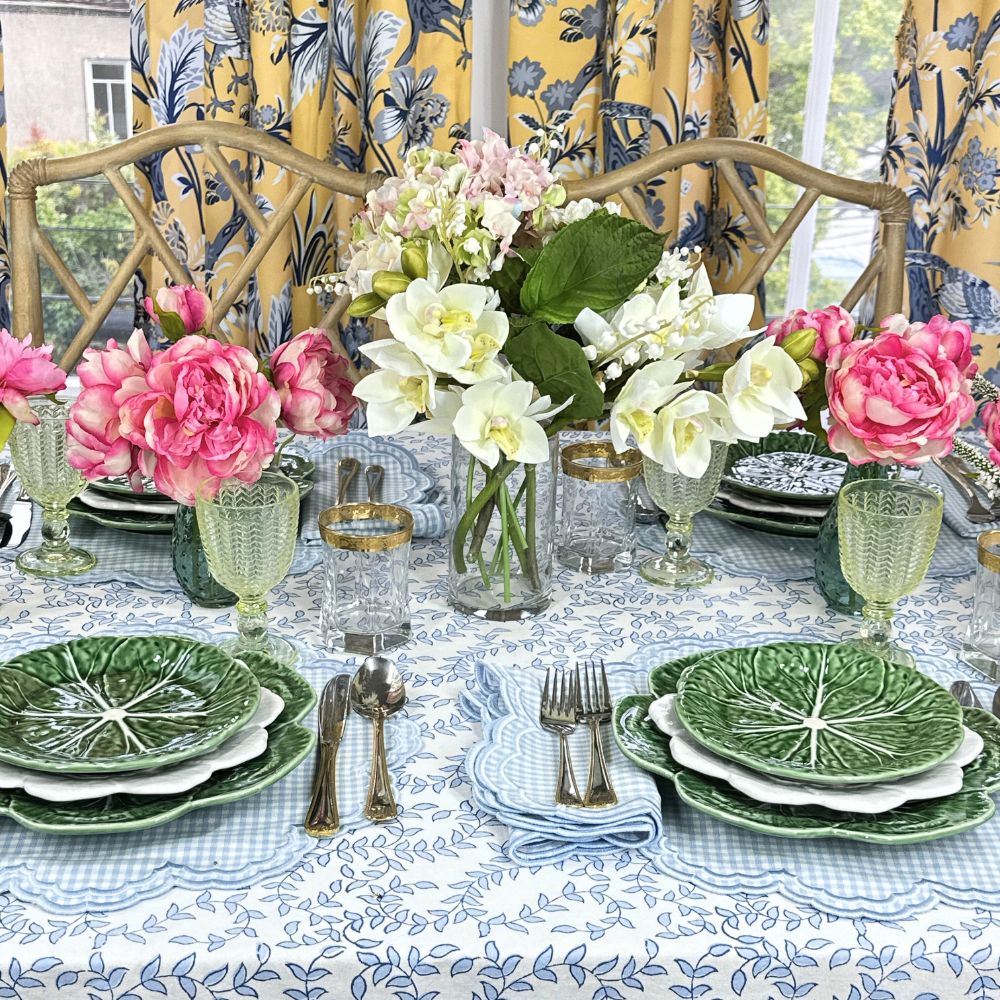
891 203
29 244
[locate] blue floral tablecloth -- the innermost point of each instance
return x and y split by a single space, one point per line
430 906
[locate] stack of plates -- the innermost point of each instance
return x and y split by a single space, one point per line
112 502
783 484
812 740
107 734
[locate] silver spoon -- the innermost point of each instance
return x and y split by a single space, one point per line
347 469
962 692
378 691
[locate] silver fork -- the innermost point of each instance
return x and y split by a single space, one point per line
558 715
975 511
593 706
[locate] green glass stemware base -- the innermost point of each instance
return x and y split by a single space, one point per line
890 651
684 575
278 649
65 561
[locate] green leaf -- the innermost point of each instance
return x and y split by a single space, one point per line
171 325
509 279
558 368
6 425
595 263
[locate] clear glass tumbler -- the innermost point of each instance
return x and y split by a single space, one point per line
39 453
680 498
981 646
248 530
597 527
888 530
366 604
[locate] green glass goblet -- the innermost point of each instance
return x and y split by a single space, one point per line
888 530
681 497
39 453
248 531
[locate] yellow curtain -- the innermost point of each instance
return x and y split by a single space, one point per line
626 77
942 149
355 82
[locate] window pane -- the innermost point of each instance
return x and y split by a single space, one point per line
101 100
108 71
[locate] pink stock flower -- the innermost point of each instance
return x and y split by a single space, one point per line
834 326
108 377
311 379
190 305
938 337
207 415
892 402
26 371
498 169
990 415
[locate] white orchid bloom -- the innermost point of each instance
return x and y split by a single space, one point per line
499 419
402 388
711 321
454 331
681 440
634 411
439 264
760 390
441 412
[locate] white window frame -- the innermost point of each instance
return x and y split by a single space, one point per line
88 86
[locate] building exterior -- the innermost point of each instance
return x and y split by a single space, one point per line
66 62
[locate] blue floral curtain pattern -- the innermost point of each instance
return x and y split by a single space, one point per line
625 77
942 149
4 258
357 82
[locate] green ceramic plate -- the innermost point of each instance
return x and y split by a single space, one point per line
785 465
120 703
143 524
773 524
818 712
911 823
288 745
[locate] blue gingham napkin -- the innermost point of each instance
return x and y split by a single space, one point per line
513 772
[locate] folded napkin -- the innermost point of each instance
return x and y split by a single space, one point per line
513 771
955 505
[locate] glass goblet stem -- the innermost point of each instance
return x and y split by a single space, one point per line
55 533
678 550
251 621
876 625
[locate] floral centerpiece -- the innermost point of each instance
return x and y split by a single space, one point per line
200 412
512 315
25 371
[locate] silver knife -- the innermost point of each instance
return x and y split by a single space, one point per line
323 817
996 704
962 692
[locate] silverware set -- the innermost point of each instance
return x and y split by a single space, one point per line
568 698
375 692
348 469
15 522
965 695
965 482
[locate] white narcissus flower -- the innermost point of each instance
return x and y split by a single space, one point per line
681 440
634 411
454 331
499 419
760 390
402 388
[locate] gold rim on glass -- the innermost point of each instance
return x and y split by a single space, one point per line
985 543
628 463
365 512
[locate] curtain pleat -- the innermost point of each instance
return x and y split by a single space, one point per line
942 149
4 258
628 77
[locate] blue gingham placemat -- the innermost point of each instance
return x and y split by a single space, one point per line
218 847
836 876
513 772
742 551
144 560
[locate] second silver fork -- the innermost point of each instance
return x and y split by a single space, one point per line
593 702
558 715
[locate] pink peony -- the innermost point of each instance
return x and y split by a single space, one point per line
207 415
892 402
990 415
834 326
180 309
108 377
26 371
311 379
938 337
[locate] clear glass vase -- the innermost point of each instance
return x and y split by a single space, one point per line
502 535
836 591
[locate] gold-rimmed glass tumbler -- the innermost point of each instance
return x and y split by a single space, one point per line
680 498
248 531
887 531
39 454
